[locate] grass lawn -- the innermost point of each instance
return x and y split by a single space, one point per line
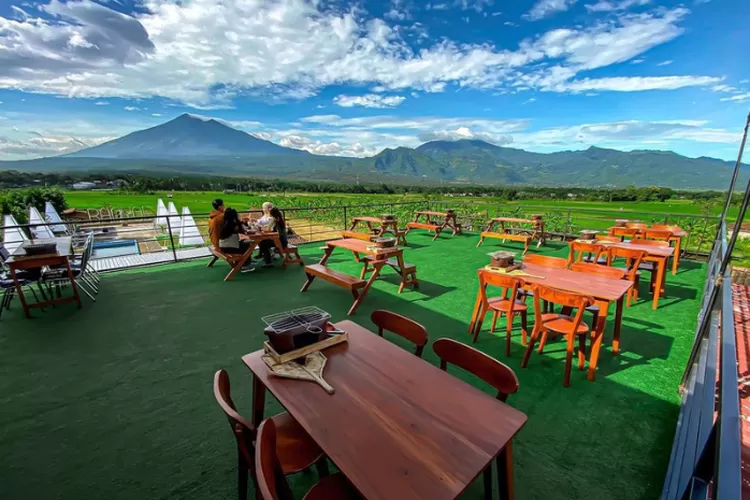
115 400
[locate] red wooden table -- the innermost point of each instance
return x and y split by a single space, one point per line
677 236
658 255
397 426
602 289
19 260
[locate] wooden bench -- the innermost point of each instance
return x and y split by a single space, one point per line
235 260
291 256
523 238
421 225
408 272
332 276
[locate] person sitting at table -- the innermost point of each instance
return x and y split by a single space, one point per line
216 221
266 221
229 238
279 226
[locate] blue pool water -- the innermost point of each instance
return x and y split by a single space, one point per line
103 249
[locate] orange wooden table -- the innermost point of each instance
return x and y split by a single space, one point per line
676 238
237 260
379 257
383 226
397 426
603 290
19 260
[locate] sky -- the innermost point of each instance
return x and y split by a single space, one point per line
353 78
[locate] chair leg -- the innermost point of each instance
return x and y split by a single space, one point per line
582 352
322 466
495 315
242 480
530 347
85 290
524 327
508 330
488 482
568 360
543 342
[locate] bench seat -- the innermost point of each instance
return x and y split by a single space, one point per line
335 277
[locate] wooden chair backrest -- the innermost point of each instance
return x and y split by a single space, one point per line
271 480
633 259
663 227
244 432
608 238
624 231
607 272
546 261
657 234
487 368
402 326
636 225
652 243
578 249
562 298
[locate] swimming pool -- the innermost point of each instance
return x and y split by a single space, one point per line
117 248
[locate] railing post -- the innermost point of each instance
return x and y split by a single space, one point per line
171 238
346 223
570 223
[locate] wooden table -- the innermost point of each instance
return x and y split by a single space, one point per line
602 289
19 261
383 226
397 426
657 255
510 232
676 238
378 257
237 260
449 220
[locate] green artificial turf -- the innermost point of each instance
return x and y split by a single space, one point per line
115 400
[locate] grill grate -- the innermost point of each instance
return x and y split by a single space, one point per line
307 317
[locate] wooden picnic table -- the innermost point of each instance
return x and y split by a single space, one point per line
373 261
676 238
19 260
449 220
383 226
658 255
602 289
510 231
397 426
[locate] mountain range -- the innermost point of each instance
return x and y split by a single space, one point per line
195 145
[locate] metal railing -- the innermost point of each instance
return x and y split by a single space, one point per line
706 453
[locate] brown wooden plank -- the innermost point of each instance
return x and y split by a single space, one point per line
335 277
428 438
598 287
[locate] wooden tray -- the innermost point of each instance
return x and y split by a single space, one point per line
332 340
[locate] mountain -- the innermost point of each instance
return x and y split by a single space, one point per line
194 145
187 136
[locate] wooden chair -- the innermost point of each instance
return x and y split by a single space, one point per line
636 225
584 252
291 256
624 232
546 261
402 326
503 304
295 449
651 267
494 373
662 227
633 259
269 470
568 326
607 272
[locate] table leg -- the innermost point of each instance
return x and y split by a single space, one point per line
677 250
475 314
660 274
73 284
377 266
326 255
618 325
259 401
505 473
596 344
19 292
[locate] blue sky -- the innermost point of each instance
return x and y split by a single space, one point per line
351 78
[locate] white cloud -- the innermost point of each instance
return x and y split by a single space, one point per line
637 61
665 63
610 6
464 133
205 53
156 115
368 101
529 100
739 97
326 148
101 103
131 108
633 84
545 8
